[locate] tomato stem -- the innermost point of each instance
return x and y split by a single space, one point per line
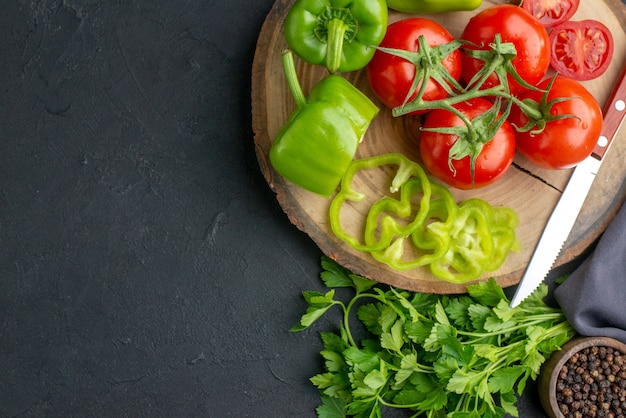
539 113
476 133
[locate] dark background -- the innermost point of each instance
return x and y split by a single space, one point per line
146 269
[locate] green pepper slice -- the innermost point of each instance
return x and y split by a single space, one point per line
316 145
433 6
408 179
424 225
505 221
481 238
471 246
426 238
339 34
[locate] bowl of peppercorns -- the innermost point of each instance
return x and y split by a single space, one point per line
586 378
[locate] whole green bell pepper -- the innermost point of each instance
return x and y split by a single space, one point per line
433 6
340 34
318 142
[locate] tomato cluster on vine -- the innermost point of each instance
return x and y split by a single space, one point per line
484 95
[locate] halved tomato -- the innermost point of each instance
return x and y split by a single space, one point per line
551 12
581 50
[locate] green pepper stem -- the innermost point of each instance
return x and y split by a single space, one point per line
336 32
289 66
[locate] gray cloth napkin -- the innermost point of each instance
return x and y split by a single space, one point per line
593 297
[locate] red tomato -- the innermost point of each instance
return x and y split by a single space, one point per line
581 50
551 12
517 26
391 77
492 162
564 142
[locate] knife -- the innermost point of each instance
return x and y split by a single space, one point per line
571 201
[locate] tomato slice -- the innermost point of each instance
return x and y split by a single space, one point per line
581 50
551 12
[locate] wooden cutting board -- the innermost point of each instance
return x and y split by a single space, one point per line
531 191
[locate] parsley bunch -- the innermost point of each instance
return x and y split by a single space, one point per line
466 356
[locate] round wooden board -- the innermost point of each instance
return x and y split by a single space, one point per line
532 192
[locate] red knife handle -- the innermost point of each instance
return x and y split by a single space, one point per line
613 115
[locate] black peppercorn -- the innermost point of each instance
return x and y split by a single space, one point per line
592 383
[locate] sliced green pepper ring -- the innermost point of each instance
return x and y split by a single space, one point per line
435 235
406 171
458 242
505 221
471 246
429 232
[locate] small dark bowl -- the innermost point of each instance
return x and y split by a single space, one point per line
551 369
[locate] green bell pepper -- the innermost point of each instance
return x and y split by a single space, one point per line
317 143
410 179
340 34
433 6
481 238
424 226
429 236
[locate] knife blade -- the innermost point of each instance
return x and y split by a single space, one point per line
573 197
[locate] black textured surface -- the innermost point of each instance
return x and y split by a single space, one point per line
145 267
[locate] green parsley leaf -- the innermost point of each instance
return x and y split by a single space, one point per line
406 304
364 359
331 408
478 315
437 333
418 332
370 315
503 380
333 361
318 305
495 324
440 314
334 275
504 311
319 300
331 384
457 311
332 342
394 339
507 401
361 284
388 317
487 293
465 381
533 361
376 379
441 356
445 367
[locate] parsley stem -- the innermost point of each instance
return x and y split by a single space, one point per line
434 355
538 319
347 309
